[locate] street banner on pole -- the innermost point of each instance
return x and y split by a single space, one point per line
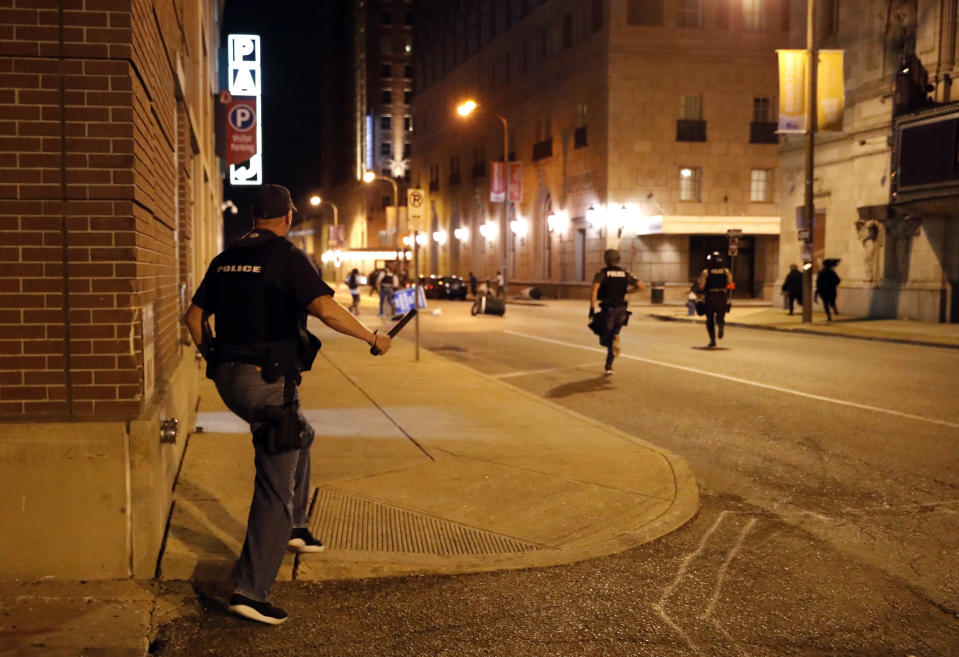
497 182
403 299
516 182
792 91
830 90
416 209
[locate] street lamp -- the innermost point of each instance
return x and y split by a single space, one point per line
465 109
368 178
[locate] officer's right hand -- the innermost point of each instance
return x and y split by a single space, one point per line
592 312
381 344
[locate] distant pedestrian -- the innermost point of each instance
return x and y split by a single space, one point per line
827 283
610 286
353 284
500 284
260 290
792 286
386 284
473 282
691 301
715 283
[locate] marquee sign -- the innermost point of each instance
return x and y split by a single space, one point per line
245 115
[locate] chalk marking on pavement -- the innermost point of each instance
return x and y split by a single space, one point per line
546 371
722 570
909 416
680 573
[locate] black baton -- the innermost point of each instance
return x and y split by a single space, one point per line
404 320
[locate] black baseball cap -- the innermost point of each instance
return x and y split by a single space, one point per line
272 201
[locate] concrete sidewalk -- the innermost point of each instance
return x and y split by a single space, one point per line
429 467
766 317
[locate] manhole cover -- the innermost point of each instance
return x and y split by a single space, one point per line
349 522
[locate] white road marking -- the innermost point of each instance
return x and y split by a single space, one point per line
735 379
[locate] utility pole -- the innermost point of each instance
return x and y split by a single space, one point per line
809 209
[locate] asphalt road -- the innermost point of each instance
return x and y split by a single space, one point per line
829 481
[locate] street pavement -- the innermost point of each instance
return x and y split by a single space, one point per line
469 474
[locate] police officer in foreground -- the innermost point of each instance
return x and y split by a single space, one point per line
714 283
610 286
260 291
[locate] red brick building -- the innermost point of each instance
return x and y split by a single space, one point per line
110 196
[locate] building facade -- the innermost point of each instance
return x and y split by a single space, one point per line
110 207
886 187
368 127
643 126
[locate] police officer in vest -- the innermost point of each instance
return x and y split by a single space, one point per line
260 291
715 282
610 286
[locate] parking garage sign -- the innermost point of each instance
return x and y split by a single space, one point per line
244 113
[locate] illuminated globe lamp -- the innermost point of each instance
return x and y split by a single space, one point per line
462 234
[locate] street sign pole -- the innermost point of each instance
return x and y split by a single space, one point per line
809 211
416 215
416 293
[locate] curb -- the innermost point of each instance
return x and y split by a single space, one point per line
829 334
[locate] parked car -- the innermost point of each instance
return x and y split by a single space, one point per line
443 287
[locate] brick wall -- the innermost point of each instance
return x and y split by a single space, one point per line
94 183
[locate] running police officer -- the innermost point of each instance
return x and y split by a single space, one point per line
715 282
610 286
259 291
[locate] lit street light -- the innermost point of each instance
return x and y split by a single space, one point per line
465 109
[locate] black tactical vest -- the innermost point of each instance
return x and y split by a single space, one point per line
716 279
254 310
612 289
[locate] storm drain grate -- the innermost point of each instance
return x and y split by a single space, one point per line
349 522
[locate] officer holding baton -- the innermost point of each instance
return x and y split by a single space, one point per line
260 291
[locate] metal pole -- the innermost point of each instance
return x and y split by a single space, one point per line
809 209
416 292
505 232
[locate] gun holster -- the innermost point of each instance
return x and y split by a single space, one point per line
282 429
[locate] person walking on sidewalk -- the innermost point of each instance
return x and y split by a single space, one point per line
260 290
610 285
715 282
386 283
792 286
827 283
353 284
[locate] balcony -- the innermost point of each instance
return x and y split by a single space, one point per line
454 178
543 149
763 132
479 170
434 185
687 130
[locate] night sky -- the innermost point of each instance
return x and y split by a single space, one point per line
292 34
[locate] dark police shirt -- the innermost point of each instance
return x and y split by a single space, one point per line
613 285
258 290
717 278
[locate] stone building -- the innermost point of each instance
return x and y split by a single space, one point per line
887 186
110 198
646 126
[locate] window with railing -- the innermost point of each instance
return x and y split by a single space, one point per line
762 129
754 15
690 125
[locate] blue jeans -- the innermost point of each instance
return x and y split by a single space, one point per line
280 489
386 297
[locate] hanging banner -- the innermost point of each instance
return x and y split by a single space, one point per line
240 130
516 182
830 91
792 91
497 182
